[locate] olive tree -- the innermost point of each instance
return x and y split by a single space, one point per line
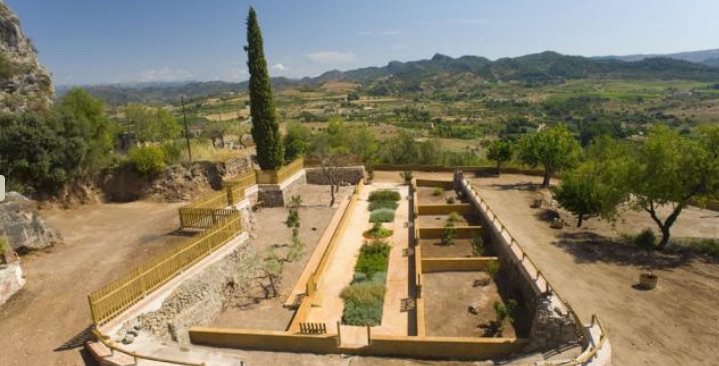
554 148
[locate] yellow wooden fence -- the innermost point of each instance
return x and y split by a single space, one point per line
120 294
280 175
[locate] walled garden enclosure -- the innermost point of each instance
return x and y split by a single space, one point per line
439 282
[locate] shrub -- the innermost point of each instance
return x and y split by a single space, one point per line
364 293
147 160
375 205
504 313
173 151
437 192
646 240
453 218
362 314
706 246
407 176
449 234
378 232
450 200
373 258
493 269
382 215
478 245
384 195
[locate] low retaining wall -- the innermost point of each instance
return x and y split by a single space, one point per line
398 346
454 348
434 183
462 209
264 340
463 232
430 265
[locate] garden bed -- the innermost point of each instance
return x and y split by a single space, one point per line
441 220
428 196
364 297
433 248
448 296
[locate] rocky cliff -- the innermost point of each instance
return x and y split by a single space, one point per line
25 85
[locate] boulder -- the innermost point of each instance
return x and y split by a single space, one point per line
25 229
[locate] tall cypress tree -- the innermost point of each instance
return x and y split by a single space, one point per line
265 129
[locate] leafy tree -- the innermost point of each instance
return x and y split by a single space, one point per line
83 119
500 151
34 156
265 129
152 124
297 141
670 169
553 147
584 194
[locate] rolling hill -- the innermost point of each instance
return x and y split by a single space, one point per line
440 73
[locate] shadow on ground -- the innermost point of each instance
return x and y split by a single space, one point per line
587 247
523 186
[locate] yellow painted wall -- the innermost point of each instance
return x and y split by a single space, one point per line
443 347
468 348
430 265
463 232
435 183
461 209
263 340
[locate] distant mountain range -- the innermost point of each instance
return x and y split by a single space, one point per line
444 74
707 57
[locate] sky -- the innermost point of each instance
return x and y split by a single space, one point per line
114 41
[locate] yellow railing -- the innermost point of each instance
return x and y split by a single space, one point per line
136 356
202 218
280 175
216 200
118 295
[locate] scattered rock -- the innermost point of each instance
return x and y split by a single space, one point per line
128 339
25 229
484 280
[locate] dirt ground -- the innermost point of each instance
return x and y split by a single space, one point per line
250 309
675 324
441 220
44 323
447 298
425 196
433 248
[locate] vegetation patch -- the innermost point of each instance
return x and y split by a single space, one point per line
384 195
364 297
382 215
378 232
383 204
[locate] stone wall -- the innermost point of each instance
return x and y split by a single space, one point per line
349 175
278 195
11 280
197 301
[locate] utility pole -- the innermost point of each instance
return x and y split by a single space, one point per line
187 132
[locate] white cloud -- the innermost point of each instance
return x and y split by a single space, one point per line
332 57
379 33
280 67
165 74
237 73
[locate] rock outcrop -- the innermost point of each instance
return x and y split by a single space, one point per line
25 85
25 229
